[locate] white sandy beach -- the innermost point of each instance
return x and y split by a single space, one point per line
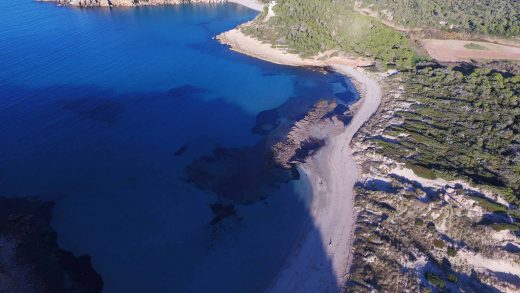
332 173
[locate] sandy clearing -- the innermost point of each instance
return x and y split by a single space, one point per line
441 183
332 174
252 4
454 50
495 265
270 11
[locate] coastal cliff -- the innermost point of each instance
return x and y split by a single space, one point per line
128 3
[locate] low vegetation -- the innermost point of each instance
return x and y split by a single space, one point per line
313 26
473 46
490 17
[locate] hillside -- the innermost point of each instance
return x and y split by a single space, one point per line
313 26
489 17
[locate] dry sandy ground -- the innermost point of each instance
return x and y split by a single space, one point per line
454 50
252 4
332 174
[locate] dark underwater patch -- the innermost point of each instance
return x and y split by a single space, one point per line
96 109
266 121
180 151
221 212
243 176
34 259
185 91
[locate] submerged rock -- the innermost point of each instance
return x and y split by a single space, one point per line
30 259
308 134
252 173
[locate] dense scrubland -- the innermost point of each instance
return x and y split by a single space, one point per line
462 122
490 17
457 122
313 26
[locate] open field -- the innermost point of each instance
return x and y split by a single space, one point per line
457 50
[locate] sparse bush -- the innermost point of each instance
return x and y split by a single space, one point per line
473 46
452 251
435 280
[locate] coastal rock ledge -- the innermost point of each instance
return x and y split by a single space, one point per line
128 3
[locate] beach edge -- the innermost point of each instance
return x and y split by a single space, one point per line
332 171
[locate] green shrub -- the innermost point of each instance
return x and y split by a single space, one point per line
500 227
452 251
435 280
452 278
473 46
422 171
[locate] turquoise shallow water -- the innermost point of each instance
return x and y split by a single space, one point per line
101 110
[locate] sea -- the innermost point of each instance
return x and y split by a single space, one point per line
148 135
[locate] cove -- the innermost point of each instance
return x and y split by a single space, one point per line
103 110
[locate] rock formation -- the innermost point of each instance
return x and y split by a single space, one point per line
309 134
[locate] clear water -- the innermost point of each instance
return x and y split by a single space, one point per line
94 103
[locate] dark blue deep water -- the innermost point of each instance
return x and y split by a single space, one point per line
102 110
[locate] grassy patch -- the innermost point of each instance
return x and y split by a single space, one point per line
473 46
500 227
489 205
422 171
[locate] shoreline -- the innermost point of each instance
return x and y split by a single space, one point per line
251 4
332 173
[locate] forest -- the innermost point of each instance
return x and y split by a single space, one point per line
462 123
489 17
